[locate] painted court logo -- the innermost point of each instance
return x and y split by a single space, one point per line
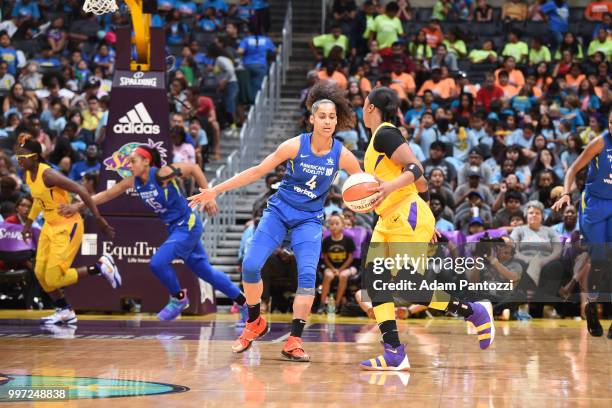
15 388
119 161
137 121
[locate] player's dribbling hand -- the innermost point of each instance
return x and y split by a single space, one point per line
383 190
205 195
105 227
561 202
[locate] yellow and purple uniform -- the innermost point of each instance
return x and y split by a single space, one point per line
404 216
60 237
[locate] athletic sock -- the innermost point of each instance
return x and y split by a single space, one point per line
180 295
254 312
297 327
94 269
240 299
390 336
61 303
460 308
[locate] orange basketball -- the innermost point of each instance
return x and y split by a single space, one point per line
356 194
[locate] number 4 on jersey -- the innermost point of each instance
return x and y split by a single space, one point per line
312 183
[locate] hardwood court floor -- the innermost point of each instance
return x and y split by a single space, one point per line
536 364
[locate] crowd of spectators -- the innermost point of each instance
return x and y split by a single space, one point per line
496 111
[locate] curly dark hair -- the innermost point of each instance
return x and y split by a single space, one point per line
327 90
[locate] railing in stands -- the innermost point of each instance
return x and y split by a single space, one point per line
324 10
252 134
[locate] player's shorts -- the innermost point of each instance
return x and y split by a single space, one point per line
183 237
58 245
410 221
595 219
304 227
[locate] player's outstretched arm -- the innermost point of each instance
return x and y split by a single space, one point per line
286 151
349 162
53 178
100 198
593 149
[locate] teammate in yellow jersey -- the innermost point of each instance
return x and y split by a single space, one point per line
405 218
60 238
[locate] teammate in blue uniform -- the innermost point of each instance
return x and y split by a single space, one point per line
595 217
158 188
297 208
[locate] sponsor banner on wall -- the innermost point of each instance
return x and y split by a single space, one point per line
138 115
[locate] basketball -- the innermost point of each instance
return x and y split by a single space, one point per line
356 194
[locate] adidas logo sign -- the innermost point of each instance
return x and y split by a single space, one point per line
137 121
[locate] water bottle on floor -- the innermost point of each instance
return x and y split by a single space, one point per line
331 305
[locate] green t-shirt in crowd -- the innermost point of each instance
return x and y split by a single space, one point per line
387 30
458 47
516 50
537 56
327 42
478 56
438 11
605 47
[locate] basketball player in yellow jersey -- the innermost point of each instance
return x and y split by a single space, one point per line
404 217
60 238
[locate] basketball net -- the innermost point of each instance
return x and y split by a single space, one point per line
99 7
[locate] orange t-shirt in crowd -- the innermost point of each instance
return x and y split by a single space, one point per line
399 89
337 77
470 88
597 9
510 90
434 37
537 92
407 81
515 76
443 89
574 82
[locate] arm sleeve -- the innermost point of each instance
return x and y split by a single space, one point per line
387 140
318 40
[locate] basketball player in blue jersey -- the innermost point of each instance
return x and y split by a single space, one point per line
595 216
313 160
157 187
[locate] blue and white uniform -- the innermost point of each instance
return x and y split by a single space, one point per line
184 241
297 209
596 200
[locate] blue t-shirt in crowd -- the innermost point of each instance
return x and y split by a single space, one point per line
166 4
256 48
413 113
25 10
557 16
177 33
208 25
186 7
9 55
243 13
259 4
48 62
157 21
444 225
81 168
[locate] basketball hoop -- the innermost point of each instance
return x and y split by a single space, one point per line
99 7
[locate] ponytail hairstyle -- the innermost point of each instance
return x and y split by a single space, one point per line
26 141
328 92
386 101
